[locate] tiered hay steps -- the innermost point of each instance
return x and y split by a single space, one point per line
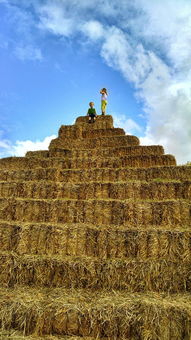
166 173
106 242
114 212
131 275
95 239
132 191
97 162
101 152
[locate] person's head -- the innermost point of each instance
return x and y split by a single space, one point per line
91 104
104 90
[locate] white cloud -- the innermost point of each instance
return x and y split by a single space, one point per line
132 62
21 147
128 124
169 120
54 18
93 29
169 25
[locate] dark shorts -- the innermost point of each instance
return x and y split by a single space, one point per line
92 115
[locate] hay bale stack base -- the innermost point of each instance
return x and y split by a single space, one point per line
95 239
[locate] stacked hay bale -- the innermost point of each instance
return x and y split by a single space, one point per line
95 239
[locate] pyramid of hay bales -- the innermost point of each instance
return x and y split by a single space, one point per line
95 239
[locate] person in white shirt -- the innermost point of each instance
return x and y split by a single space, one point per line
104 96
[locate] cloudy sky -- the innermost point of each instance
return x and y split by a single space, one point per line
55 55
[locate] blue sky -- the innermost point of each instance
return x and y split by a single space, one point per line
55 55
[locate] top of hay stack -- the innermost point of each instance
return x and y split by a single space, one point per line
81 123
70 136
102 122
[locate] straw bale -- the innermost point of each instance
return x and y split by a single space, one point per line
70 131
94 273
94 314
131 191
103 212
101 152
88 131
92 133
126 161
9 236
157 174
121 162
178 173
82 143
114 162
49 174
102 122
39 153
15 335
12 163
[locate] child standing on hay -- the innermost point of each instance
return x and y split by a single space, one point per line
103 100
92 113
